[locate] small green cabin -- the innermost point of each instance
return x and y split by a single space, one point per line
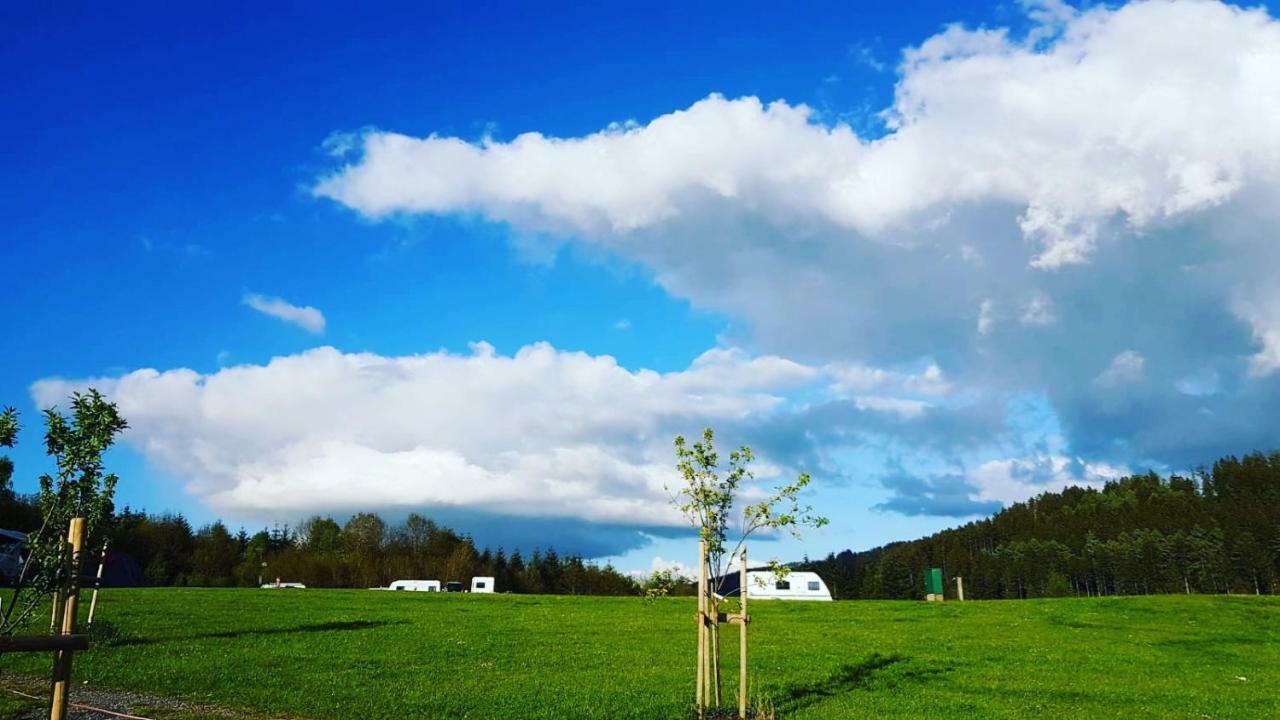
933 581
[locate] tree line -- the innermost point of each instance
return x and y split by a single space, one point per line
364 551
1217 531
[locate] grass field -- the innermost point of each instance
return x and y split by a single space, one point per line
360 654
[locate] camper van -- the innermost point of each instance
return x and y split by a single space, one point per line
763 584
478 585
13 546
416 585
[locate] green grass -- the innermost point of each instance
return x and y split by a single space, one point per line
11 706
355 654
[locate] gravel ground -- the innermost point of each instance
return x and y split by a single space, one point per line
147 706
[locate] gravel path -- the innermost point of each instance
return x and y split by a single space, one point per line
119 701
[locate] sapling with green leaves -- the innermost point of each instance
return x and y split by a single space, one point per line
662 583
708 497
8 436
80 487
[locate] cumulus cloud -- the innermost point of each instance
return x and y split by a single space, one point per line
1102 182
1011 480
1263 316
541 433
566 445
979 116
660 564
307 318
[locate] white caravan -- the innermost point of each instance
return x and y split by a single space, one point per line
416 585
763 584
482 585
13 552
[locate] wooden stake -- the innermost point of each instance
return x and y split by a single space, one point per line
702 627
707 692
93 601
960 588
55 604
742 635
715 649
62 658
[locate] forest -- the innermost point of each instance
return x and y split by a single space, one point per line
1217 531
362 552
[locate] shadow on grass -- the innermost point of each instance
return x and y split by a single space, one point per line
847 678
336 626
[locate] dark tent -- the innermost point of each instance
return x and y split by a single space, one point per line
120 570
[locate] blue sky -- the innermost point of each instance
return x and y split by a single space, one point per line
936 275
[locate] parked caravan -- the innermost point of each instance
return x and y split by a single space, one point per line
416 585
13 553
482 585
764 584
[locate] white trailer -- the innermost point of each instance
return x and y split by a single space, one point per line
415 585
482 585
13 552
763 584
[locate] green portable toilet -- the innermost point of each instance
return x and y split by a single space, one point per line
933 584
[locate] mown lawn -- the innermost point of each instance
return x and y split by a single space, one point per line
362 654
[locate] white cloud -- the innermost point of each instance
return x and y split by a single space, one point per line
902 407
1126 368
986 317
853 379
1000 186
1106 178
1264 321
659 564
543 433
307 318
1266 360
978 117
1038 312
341 144
1016 479
540 433
930 381
891 392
